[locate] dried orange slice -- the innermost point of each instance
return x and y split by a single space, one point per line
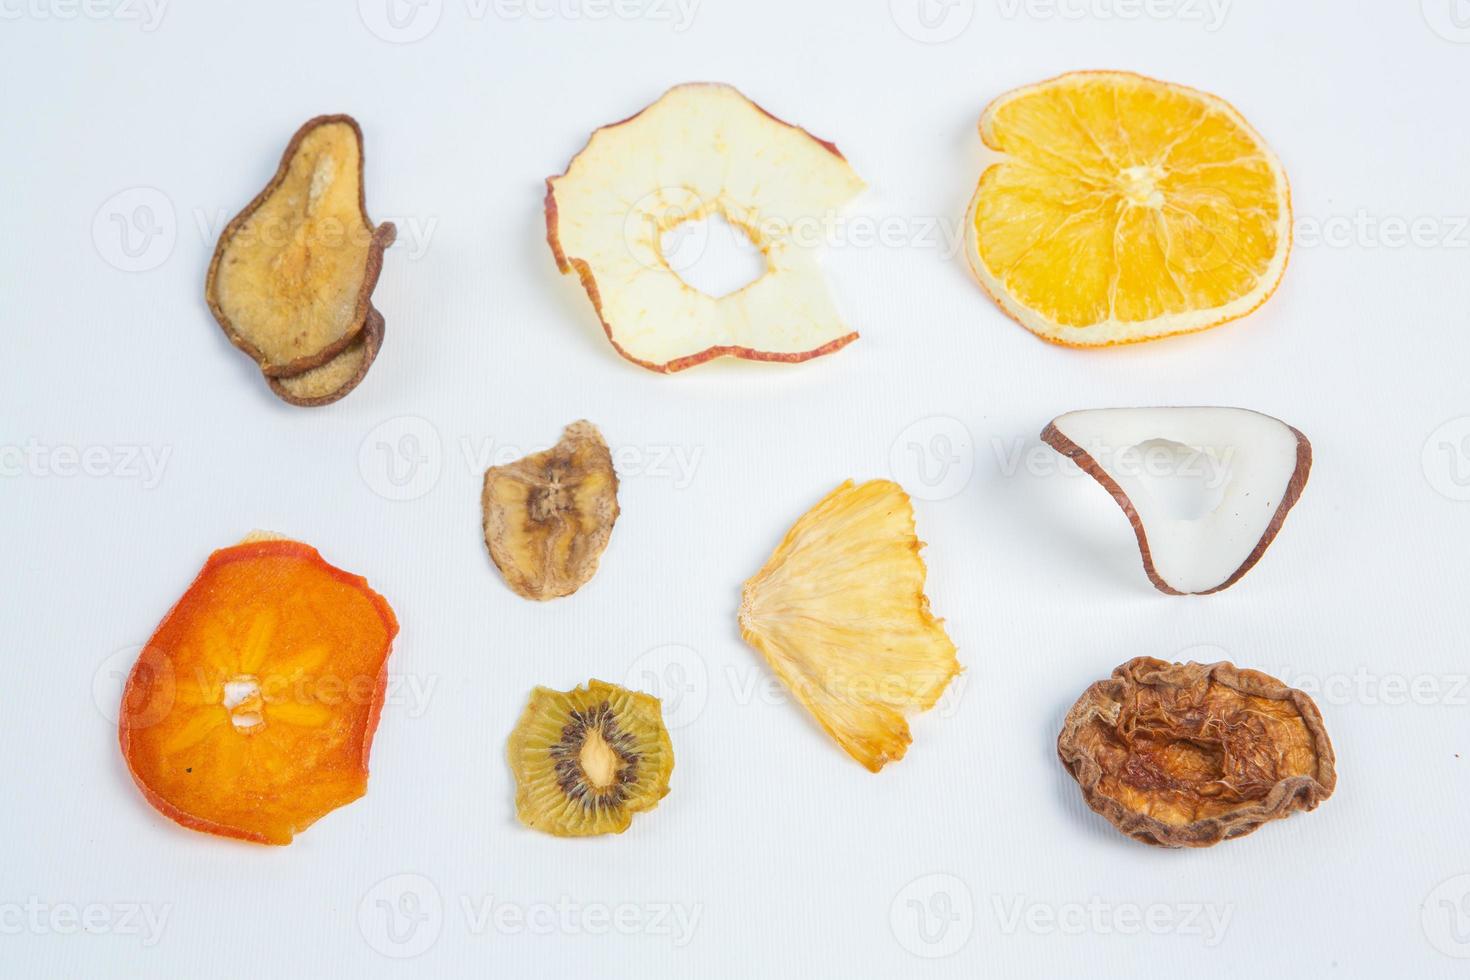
251 711
1125 209
840 614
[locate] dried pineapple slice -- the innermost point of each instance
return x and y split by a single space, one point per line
839 613
586 760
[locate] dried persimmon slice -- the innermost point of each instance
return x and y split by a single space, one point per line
251 711
1188 755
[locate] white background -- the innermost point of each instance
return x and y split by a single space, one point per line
787 857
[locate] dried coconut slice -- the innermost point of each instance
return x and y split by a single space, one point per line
1258 466
251 711
701 150
333 380
586 760
840 614
293 274
548 517
1189 755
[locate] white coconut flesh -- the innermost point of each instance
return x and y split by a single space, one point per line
705 151
1208 487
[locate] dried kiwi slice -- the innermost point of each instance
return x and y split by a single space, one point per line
292 275
586 760
333 380
549 516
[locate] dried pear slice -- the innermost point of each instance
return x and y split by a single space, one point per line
333 380
701 150
293 273
1188 755
548 516
840 614
586 760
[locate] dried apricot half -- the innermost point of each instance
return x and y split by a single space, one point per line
586 760
1188 755
293 274
840 614
251 711
548 517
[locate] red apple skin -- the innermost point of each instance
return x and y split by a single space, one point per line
589 282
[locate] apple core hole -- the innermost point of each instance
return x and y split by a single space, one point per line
1187 483
713 256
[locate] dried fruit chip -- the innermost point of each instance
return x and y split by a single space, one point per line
1259 465
333 380
700 151
1125 209
1188 755
293 274
548 517
251 711
586 760
839 613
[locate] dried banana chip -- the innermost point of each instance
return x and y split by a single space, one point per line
548 517
334 379
839 613
292 276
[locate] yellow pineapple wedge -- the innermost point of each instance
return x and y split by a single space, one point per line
839 613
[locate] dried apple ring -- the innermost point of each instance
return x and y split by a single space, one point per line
700 151
251 711
1188 755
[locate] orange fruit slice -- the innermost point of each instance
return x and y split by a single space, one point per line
1125 209
251 711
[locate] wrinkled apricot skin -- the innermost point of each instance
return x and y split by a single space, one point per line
251 711
1188 755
